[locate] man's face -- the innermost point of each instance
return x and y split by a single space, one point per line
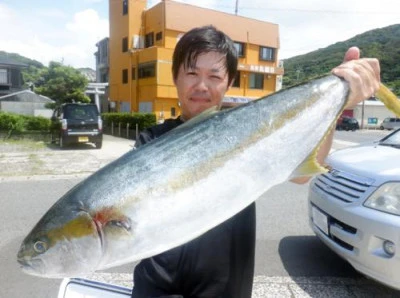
202 86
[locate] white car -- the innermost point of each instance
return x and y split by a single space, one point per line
355 207
390 123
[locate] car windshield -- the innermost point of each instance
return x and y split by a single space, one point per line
392 140
88 112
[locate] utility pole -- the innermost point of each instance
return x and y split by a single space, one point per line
236 7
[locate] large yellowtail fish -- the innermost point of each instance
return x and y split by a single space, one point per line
186 182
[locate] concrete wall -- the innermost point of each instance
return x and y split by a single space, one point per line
373 110
25 108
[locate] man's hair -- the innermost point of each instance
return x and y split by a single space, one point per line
200 41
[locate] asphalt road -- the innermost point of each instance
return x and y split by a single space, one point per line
290 260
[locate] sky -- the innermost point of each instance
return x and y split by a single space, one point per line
67 30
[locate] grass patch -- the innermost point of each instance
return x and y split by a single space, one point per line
35 162
21 145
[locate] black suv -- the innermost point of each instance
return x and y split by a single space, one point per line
347 123
77 123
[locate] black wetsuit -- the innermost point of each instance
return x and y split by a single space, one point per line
219 263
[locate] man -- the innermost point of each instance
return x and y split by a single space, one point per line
220 263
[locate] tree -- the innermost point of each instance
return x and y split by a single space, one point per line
31 74
61 83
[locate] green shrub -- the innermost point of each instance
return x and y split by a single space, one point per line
16 124
11 122
144 120
38 123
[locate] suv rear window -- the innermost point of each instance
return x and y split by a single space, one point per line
84 112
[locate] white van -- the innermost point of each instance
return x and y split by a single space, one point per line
390 123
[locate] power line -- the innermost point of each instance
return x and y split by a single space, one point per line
300 10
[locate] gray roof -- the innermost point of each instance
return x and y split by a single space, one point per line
11 62
26 96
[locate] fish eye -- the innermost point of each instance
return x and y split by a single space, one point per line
40 247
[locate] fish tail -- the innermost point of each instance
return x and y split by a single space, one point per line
310 165
389 99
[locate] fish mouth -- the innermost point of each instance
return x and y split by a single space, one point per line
22 259
30 266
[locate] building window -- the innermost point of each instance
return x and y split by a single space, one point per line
159 35
267 54
236 80
147 70
104 78
133 73
239 46
104 49
124 76
256 81
125 44
173 112
3 76
124 7
149 40
145 107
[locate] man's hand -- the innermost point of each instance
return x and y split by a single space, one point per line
363 76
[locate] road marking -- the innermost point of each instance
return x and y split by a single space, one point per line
346 143
280 286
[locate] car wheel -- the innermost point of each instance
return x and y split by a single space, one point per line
52 138
99 144
382 128
62 142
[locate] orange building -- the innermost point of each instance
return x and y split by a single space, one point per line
142 43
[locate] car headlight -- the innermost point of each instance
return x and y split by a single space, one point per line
386 198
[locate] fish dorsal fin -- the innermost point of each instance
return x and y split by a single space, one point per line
201 117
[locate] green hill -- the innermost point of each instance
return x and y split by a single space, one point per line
382 43
21 59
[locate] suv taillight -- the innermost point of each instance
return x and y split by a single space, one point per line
64 124
100 123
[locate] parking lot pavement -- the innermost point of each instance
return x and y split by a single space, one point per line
50 162
286 286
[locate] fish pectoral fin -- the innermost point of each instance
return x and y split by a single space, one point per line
123 224
113 221
309 167
117 225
